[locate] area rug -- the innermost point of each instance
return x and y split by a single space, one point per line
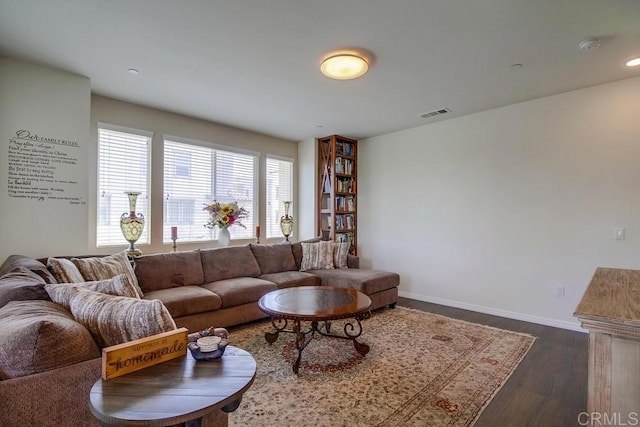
422 370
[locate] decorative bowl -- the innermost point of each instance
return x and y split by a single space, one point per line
208 344
198 354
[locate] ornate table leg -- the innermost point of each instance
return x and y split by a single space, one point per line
353 333
279 325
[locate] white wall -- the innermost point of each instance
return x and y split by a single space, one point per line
307 183
494 210
52 105
162 123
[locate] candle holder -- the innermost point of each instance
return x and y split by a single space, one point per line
174 247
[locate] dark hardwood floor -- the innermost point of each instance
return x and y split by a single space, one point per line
549 387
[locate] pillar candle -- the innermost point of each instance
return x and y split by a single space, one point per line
174 233
257 230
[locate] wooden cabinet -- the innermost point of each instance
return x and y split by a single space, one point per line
610 310
337 192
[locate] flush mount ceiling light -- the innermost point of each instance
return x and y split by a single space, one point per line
633 62
344 66
589 44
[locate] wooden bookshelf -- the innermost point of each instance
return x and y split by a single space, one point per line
337 192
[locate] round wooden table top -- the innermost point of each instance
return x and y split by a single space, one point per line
175 391
314 303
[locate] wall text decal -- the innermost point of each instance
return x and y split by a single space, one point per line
42 168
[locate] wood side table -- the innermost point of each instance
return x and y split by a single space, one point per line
610 310
181 390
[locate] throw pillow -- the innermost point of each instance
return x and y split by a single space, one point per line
102 268
317 256
64 270
14 262
296 248
113 320
274 258
119 286
340 253
38 336
21 284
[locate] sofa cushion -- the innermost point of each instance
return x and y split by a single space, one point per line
296 248
340 254
63 292
366 281
240 290
185 300
38 336
317 256
102 268
163 271
288 279
14 262
274 258
22 284
113 320
64 270
229 262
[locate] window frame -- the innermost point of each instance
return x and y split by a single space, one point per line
216 147
146 238
280 209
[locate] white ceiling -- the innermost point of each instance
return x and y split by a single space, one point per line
254 64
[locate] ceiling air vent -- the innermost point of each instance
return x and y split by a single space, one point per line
435 113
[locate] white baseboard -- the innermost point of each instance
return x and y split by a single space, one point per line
572 326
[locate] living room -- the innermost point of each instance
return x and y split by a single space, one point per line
506 210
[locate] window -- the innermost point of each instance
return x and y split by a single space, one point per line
123 165
279 190
214 173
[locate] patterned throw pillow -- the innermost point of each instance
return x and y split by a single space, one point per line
118 286
103 268
113 320
340 253
317 256
64 270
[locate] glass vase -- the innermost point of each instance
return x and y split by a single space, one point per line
132 224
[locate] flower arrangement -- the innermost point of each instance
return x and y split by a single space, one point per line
223 215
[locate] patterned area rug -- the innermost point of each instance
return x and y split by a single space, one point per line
422 370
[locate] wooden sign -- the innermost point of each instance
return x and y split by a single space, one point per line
134 355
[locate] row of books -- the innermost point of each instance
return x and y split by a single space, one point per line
345 203
344 165
345 185
347 237
345 222
345 148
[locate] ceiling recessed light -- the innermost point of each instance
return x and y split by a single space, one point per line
633 62
133 71
344 66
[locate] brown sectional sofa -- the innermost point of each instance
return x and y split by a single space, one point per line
213 287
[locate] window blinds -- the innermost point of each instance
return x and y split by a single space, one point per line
195 175
123 165
279 190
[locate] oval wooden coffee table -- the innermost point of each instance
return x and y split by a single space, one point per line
181 390
316 304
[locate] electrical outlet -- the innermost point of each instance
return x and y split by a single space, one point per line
560 291
619 233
